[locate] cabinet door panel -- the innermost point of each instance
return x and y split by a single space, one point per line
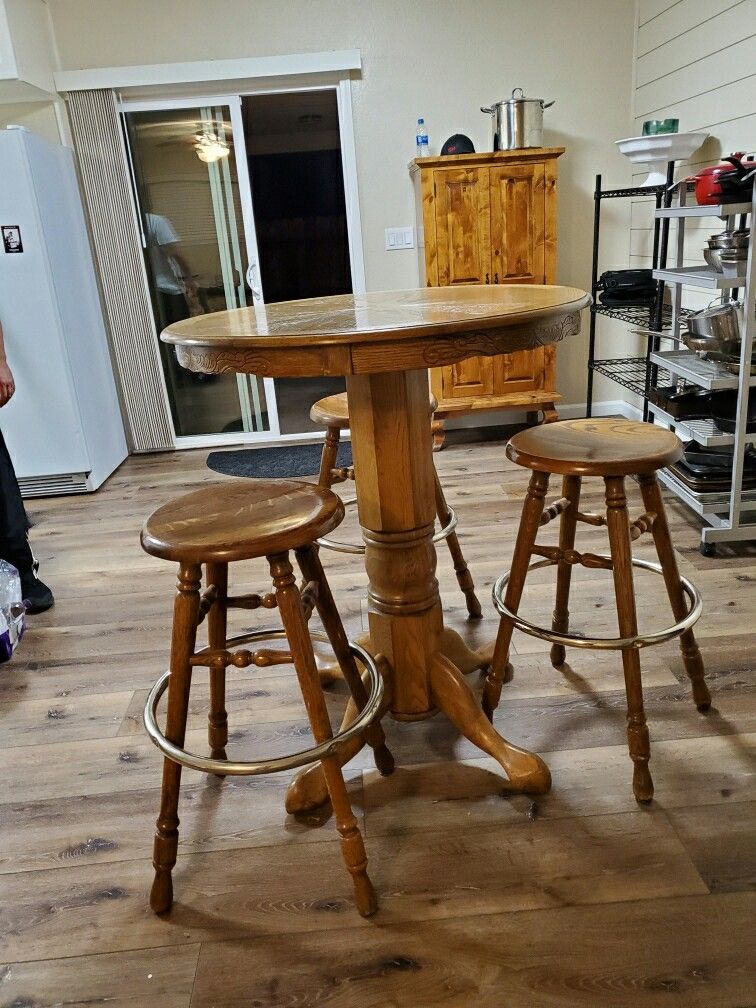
519 372
469 378
518 208
462 225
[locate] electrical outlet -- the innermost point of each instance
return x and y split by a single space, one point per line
399 238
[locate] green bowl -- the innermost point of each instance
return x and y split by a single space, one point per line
655 127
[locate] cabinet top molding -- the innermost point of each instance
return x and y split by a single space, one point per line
488 157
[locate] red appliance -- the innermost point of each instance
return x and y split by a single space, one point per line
728 182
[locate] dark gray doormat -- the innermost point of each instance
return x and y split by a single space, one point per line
275 463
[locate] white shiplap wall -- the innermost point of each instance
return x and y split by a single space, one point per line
695 60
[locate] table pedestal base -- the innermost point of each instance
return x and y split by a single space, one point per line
452 645
526 772
424 663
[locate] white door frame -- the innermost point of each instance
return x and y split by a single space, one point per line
343 91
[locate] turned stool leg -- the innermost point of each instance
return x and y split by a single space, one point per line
312 570
217 722
567 526
532 510
464 578
185 615
328 457
619 542
295 625
691 656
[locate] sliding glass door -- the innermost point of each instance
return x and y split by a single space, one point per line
293 144
243 200
191 183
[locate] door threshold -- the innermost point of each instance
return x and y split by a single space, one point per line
193 441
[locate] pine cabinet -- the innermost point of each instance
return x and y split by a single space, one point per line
490 218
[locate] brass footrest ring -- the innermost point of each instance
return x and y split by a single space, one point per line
603 643
342 547
229 768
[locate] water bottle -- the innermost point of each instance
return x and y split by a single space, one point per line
421 138
12 610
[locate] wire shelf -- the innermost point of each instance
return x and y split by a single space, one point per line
631 191
630 372
638 315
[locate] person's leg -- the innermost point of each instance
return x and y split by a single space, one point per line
14 541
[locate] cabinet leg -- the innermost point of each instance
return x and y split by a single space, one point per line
550 414
439 434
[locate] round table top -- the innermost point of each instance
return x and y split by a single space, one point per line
381 331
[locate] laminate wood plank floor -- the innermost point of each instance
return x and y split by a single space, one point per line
577 898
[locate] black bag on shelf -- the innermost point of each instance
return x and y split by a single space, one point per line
624 288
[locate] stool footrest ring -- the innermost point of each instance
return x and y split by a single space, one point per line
603 643
342 547
230 768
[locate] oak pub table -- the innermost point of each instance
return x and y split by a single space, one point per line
384 344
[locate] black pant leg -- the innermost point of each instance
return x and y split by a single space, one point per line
14 525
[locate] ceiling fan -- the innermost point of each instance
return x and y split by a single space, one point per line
208 137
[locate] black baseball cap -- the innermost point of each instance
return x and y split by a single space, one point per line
458 144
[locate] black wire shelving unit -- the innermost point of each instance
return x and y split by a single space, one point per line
631 373
637 374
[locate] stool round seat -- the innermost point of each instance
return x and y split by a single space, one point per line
241 520
595 447
333 411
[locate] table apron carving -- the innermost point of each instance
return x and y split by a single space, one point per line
378 356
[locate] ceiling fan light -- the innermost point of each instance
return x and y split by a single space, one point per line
209 148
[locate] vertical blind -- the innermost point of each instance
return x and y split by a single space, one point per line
96 129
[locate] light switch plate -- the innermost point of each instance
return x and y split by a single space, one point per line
399 238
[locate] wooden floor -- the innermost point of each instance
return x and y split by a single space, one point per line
578 898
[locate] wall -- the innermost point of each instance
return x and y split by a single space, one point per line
26 48
694 61
39 117
27 60
437 58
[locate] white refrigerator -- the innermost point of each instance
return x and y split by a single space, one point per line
63 427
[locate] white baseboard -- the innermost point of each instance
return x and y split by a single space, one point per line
566 411
610 407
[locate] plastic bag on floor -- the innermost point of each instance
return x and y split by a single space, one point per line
12 610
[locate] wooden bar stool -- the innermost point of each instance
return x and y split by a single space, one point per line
612 449
244 520
333 414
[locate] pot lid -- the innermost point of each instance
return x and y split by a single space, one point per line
518 98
